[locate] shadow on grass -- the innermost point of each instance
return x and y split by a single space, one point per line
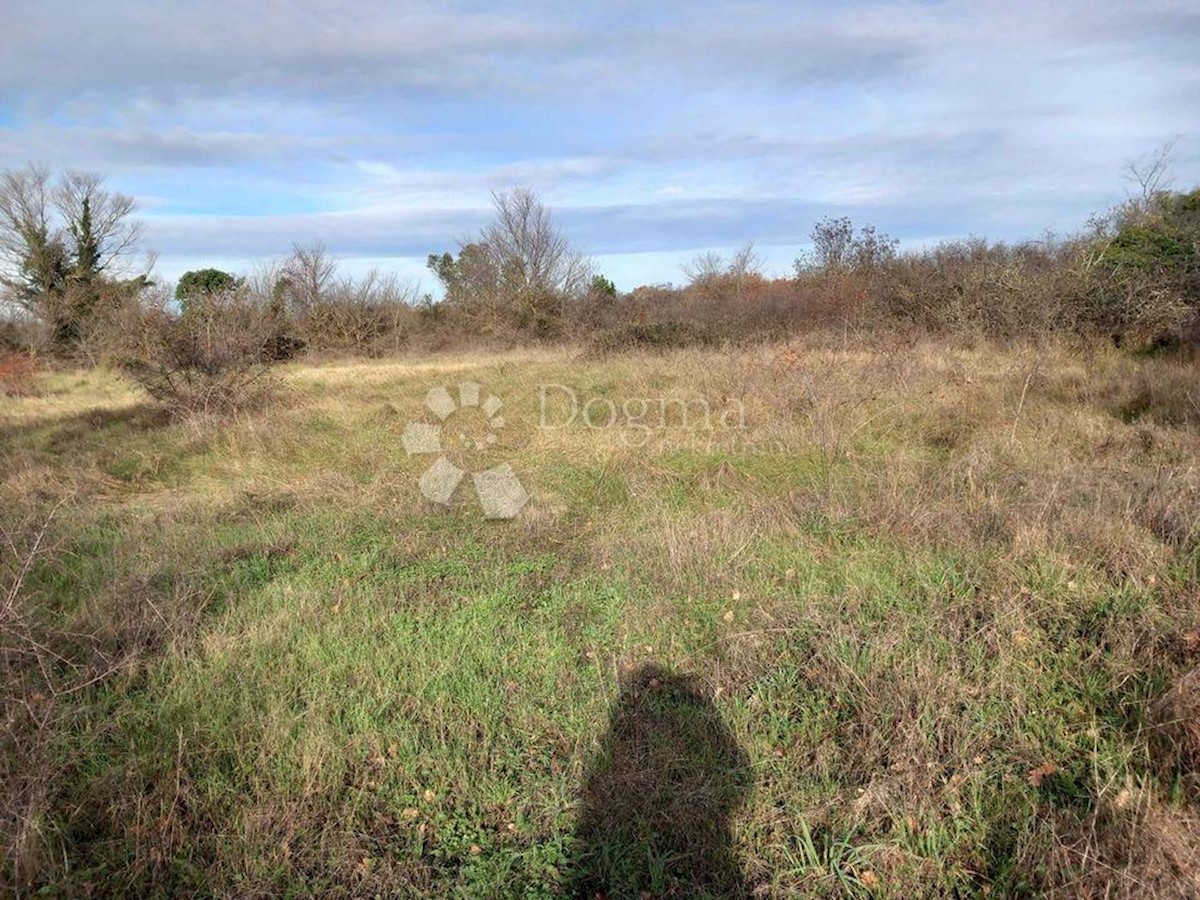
78 431
658 797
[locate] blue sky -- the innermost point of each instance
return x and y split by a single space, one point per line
654 130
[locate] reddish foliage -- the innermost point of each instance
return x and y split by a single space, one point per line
18 374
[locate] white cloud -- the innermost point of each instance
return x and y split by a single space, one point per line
656 129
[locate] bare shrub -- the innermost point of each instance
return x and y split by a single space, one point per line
995 289
654 337
18 374
213 359
316 308
369 315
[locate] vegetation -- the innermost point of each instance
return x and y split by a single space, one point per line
1132 277
520 273
203 283
17 374
212 359
922 627
64 248
874 580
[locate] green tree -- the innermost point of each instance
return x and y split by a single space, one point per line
203 283
602 287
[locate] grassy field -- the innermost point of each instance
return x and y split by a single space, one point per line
909 619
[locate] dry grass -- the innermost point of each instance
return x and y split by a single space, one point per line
941 597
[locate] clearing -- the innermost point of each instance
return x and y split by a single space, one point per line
825 618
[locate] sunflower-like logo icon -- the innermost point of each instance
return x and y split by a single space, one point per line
465 439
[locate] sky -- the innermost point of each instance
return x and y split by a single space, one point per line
653 130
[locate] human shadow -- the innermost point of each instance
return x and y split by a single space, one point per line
658 796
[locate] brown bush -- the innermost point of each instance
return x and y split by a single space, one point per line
213 359
654 337
756 309
18 374
994 289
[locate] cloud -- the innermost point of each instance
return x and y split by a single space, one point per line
653 128
296 48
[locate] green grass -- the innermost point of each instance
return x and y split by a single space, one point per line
328 686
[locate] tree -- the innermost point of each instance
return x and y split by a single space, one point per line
63 245
309 276
100 233
535 259
1152 174
32 252
837 249
471 282
712 277
203 283
602 287
521 270
704 267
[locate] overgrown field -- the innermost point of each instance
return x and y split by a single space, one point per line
901 619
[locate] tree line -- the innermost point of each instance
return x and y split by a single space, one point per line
74 288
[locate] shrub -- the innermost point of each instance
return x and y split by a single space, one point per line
1145 262
18 374
653 337
213 359
994 289
315 308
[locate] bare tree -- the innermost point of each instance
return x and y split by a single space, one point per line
32 254
310 276
97 224
520 270
704 267
836 248
539 269
745 262
1152 174
713 277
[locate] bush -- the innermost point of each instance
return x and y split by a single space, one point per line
214 359
653 337
994 289
1145 261
18 374
315 309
